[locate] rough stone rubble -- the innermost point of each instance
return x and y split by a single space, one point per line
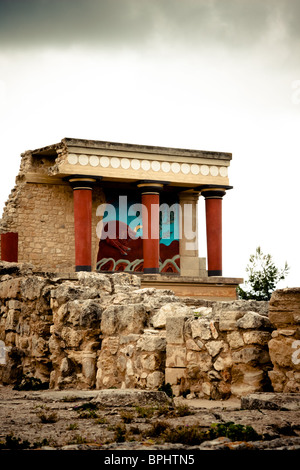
93 330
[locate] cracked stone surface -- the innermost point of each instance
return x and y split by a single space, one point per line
21 414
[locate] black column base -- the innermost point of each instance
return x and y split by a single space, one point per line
151 270
83 268
215 273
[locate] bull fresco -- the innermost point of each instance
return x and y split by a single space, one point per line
121 234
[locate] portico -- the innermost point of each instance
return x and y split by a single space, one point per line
134 209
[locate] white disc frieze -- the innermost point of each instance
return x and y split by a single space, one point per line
214 171
115 162
135 164
104 162
223 171
175 167
83 160
94 160
72 159
204 170
166 167
155 165
145 165
125 163
195 169
185 168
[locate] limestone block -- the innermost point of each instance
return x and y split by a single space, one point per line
257 337
223 363
127 350
175 329
32 286
278 380
219 308
175 356
124 319
72 337
9 289
169 309
235 339
285 307
39 347
149 362
214 347
131 338
155 380
206 388
69 291
12 319
250 355
281 352
98 281
173 376
228 320
111 344
84 313
253 320
121 363
151 343
123 282
200 328
193 345
202 359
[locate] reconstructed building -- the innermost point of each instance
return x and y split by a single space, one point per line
92 205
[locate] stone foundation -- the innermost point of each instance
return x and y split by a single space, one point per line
285 343
93 330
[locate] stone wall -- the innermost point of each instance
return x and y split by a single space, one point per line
93 330
43 216
285 343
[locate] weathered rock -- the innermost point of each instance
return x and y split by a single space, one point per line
118 398
167 310
253 320
124 319
271 401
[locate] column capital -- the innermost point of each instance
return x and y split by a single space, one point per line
150 186
82 181
213 191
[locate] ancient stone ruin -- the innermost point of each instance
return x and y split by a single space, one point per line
98 331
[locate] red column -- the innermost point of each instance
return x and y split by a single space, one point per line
150 220
9 247
82 196
213 208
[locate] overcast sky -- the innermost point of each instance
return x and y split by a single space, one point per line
221 75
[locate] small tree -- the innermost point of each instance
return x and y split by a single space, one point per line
263 277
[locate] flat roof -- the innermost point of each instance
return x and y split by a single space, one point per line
150 149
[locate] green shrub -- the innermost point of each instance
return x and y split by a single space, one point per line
234 432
